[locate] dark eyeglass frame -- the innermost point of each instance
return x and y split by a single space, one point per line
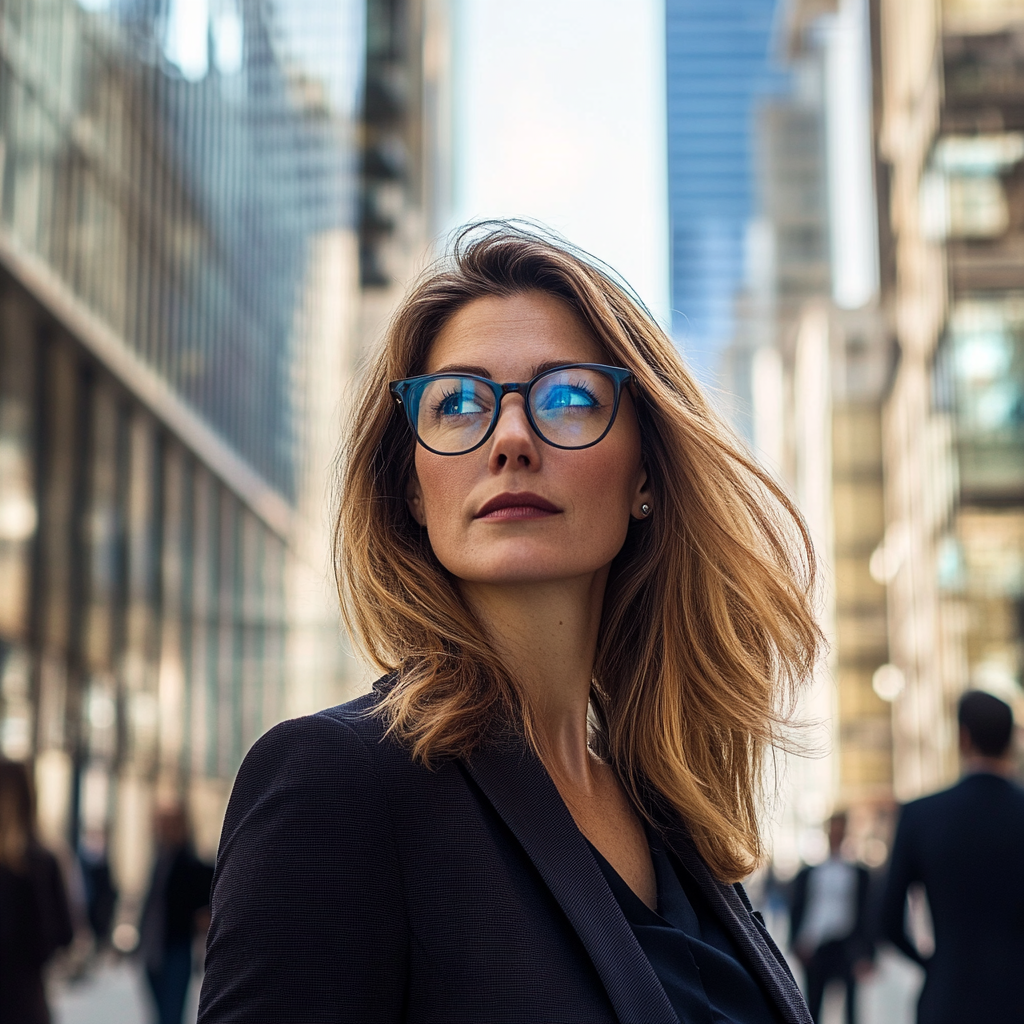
400 390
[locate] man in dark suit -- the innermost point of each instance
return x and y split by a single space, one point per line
176 909
828 922
965 846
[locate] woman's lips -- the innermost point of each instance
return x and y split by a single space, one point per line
518 512
517 506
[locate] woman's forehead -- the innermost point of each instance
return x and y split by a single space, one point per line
502 335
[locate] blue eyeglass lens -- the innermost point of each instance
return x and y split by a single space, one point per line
453 413
573 407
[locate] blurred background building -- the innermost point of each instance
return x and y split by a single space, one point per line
950 104
198 203
875 363
804 371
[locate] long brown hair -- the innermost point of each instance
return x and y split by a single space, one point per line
17 814
707 628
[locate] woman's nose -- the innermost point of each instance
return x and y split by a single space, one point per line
513 439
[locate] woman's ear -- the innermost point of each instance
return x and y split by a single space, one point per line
642 504
414 498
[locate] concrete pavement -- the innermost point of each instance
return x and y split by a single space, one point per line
113 993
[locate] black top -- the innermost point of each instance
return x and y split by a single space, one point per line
187 892
354 884
35 922
966 846
696 962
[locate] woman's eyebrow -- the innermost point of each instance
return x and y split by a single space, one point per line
479 371
482 371
550 365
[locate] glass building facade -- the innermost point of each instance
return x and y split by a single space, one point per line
717 67
177 200
179 187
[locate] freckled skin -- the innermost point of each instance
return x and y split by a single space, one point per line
596 489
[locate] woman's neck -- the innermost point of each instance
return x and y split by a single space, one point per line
548 635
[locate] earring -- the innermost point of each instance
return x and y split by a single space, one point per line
645 509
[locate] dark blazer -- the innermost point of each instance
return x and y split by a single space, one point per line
966 846
353 884
858 942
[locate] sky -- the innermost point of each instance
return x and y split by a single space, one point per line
560 117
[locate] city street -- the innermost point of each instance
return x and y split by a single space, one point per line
113 994
758 266
889 996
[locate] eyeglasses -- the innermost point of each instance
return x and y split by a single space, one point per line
571 406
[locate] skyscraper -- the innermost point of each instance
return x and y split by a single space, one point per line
717 65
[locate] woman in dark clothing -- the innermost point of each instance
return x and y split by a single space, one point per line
591 606
35 920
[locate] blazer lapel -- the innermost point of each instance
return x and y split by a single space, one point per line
521 791
733 909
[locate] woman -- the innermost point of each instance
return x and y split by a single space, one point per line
590 606
34 917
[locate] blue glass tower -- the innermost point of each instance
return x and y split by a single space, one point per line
717 64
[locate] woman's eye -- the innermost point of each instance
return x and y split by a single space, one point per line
566 394
459 403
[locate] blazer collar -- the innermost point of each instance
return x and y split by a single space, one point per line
733 909
521 791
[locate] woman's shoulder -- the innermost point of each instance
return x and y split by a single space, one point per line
342 744
360 717
307 895
313 773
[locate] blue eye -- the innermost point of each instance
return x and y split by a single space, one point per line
563 396
461 402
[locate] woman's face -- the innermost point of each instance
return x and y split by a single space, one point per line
564 514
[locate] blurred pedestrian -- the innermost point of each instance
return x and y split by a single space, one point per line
829 923
965 846
175 911
34 917
100 891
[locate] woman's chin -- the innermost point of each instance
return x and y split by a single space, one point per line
515 578
524 571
